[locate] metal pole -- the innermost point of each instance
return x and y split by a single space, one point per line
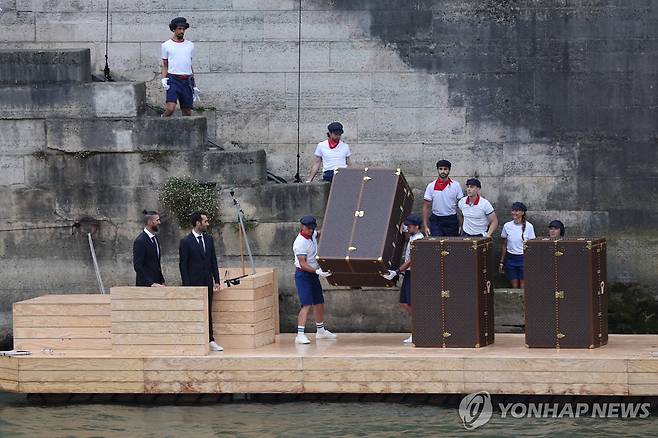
96 269
240 214
298 178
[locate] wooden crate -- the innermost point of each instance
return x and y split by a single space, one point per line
8 374
63 323
154 321
247 315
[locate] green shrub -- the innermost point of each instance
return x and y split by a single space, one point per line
182 196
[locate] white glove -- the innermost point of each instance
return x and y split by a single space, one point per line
165 83
196 94
391 275
322 273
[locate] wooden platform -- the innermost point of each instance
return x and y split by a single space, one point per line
355 363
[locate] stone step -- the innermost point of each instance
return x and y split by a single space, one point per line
30 66
126 135
82 178
93 99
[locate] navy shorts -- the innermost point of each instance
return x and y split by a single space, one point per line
405 290
328 175
444 225
514 266
180 90
309 288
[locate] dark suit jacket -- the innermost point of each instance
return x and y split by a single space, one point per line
197 268
146 261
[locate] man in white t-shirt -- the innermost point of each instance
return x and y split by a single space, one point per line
479 216
177 73
331 154
441 197
307 281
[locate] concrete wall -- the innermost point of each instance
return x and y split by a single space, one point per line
552 102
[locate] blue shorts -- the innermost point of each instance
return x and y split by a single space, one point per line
514 266
328 175
444 225
180 90
309 288
405 290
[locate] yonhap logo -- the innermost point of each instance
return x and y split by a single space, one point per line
475 410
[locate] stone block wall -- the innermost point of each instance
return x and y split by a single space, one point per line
549 102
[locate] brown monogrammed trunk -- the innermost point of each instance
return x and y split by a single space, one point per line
452 292
566 296
361 228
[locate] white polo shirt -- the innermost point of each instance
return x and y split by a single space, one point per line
179 56
407 252
444 202
306 247
512 232
335 158
476 221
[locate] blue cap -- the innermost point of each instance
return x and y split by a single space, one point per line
473 182
413 219
558 225
309 221
444 163
519 206
335 127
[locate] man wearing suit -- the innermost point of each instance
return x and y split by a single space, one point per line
146 253
198 263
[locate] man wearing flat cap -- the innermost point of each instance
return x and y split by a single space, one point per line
307 281
177 73
480 219
331 154
412 224
441 197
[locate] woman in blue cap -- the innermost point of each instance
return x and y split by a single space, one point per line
331 154
412 224
514 235
556 229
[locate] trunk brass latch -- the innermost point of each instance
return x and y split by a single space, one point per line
559 294
445 294
358 213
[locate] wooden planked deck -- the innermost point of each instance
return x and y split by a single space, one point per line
354 363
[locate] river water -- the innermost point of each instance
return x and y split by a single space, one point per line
18 418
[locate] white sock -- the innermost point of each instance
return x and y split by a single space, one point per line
319 326
300 329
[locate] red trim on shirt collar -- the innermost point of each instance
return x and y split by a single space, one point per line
440 185
333 144
477 199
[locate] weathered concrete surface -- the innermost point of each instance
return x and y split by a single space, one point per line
102 99
551 103
127 135
18 67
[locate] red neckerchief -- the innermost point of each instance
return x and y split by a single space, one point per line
333 144
477 199
440 185
301 233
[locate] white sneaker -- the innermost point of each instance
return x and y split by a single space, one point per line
214 346
302 339
324 334
408 340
